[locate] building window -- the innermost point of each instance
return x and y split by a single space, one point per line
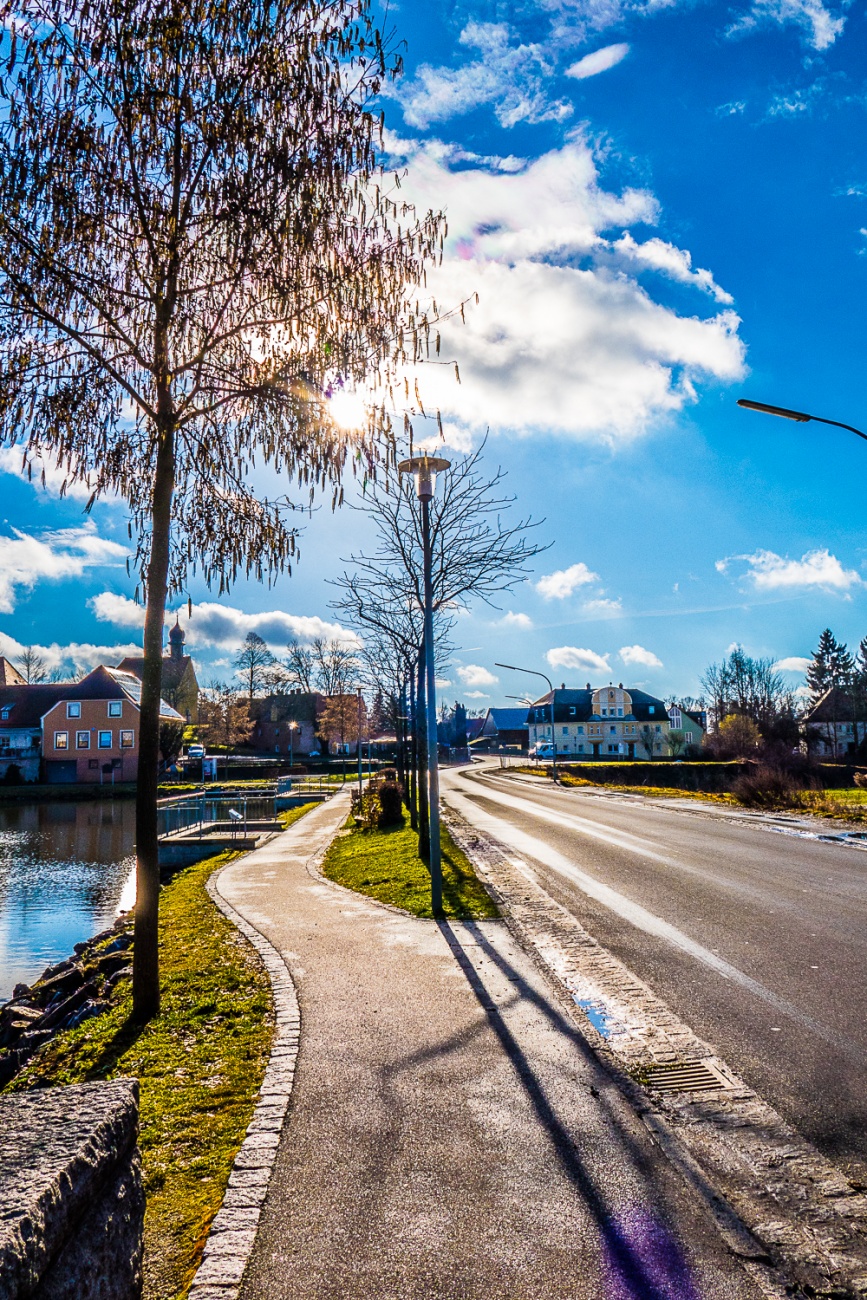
612 749
565 731
82 740
651 709
5 714
580 749
127 739
115 708
620 713
61 740
73 709
659 729
105 740
604 713
613 730
572 711
580 731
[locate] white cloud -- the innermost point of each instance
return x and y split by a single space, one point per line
598 61
771 572
476 695
559 585
476 675
442 682
602 608
816 21
75 657
560 339
585 661
512 77
44 472
793 664
26 559
636 654
516 620
671 261
222 626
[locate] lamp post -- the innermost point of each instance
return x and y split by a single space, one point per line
534 673
424 470
293 727
358 744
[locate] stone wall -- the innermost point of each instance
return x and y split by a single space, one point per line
71 1196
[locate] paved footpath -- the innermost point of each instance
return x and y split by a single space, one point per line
450 1134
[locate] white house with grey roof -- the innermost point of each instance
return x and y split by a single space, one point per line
609 722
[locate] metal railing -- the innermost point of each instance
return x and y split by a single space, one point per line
196 813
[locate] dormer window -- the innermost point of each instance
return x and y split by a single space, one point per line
651 708
4 713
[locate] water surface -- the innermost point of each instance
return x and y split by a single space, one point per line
65 871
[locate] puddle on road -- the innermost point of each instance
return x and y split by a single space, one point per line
596 1013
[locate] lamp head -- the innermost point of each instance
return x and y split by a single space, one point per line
424 469
784 411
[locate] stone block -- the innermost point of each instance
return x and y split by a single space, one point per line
71 1196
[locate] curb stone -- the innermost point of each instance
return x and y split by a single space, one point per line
807 1218
233 1230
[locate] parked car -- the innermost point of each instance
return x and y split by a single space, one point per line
195 751
542 749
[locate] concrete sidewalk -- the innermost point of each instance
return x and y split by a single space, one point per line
450 1134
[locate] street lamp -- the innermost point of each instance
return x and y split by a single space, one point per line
293 727
424 470
535 673
800 416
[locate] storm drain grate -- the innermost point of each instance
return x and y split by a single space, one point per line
685 1076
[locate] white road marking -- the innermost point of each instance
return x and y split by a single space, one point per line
506 833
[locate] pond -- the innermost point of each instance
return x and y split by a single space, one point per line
66 870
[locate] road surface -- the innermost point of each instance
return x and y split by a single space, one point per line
757 940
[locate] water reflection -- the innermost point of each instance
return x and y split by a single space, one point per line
63 868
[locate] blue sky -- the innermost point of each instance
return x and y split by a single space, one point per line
662 207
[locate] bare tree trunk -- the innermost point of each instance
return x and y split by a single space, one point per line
412 757
146 973
421 751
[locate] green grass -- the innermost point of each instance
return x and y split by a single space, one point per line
290 815
199 1063
385 865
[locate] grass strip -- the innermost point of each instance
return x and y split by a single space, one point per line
385 865
199 1063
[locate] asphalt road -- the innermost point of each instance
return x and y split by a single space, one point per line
757 940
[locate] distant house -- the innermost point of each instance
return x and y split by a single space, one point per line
692 726
180 687
91 731
9 674
504 727
608 722
474 727
835 726
22 708
273 716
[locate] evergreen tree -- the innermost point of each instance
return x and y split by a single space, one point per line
832 666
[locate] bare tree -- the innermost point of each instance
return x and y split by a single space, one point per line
300 665
33 665
194 244
254 661
336 665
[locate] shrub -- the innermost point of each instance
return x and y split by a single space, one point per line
12 775
379 805
390 804
860 780
766 786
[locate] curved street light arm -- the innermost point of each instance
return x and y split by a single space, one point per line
801 416
535 673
